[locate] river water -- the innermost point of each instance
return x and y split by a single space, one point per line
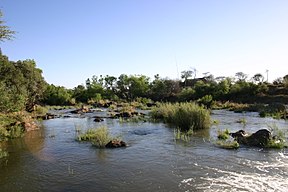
51 160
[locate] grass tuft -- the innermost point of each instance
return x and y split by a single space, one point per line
182 135
99 137
227 144
223 134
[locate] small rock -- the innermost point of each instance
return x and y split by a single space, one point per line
115 144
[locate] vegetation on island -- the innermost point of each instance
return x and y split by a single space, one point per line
185 116
276 139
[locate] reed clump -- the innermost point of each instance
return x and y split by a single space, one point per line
185 116
182 135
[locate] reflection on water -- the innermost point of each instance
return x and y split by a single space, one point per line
51 160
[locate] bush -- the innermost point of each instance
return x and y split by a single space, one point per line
207 101
185 116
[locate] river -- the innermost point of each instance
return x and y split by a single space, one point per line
50 159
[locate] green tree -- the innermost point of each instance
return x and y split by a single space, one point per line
110 82
186 74
187 94
163 89
5 32
110 86
285 80
131 87
222 89
34 83
241 76
22 83
139 86
258 78
123 85
80 94
57 95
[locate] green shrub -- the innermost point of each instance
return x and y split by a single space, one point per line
207 100
186 116
275 110
40 110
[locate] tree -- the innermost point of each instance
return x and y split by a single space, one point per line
110 82
34 83
80 93
241 76
186 75
22 83
56 95
278 81
123 85
258 78
285 80
139 86
5 32
222 89
131 87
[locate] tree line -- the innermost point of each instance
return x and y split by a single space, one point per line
132 87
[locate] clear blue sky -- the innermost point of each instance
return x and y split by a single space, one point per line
72 40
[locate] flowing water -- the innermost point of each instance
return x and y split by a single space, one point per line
51 160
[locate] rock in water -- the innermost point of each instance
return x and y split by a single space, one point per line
115 144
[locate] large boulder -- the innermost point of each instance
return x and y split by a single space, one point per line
260 138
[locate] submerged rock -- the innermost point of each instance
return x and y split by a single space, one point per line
98 119
83 109
127 114
47 116
115 144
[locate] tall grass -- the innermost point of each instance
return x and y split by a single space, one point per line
185 116
182 135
